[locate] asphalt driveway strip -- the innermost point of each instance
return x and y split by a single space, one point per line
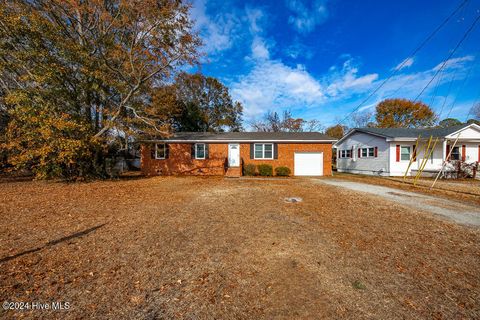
445 208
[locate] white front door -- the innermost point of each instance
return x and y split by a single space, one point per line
233 155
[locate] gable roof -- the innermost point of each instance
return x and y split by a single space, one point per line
246 137
412 133
397 133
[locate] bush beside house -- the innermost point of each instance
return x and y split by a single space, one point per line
249 170
282 171
265 170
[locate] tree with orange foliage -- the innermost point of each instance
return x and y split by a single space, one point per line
403 113
336 131
77 74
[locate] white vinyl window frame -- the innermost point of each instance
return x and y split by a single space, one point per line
197 146
344 154
262 148
402 153
160 153
368 152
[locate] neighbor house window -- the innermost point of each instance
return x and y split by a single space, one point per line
160 151
405 153
346 153
200 151
364 152
455 153
263 151
368 152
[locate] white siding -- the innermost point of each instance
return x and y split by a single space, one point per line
472 152
370 165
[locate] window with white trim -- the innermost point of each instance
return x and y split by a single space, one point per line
263 151
200 151
405 153
368 152
345 153
160 151
455 153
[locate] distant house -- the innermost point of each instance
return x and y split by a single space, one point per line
304 153
387 151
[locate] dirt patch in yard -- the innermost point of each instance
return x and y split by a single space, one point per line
467 190
219 248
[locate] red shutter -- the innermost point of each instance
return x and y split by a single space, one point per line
398 153
359 152
464 152
376 152
351 153
414 153
448 153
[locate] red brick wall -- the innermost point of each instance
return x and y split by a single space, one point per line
180 161
286 154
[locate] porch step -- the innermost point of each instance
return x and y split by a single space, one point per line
233 172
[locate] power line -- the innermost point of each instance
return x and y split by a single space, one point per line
394 72
461 86
465 35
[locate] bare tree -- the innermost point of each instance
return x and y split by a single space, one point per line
361 119
272 122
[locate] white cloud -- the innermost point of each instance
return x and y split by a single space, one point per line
346 80
254 15
305 18
408 62
272 84
216 31
455 63
259 49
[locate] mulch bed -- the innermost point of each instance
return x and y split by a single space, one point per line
175 248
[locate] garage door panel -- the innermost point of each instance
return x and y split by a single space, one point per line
308 164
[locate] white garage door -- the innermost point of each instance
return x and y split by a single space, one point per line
308 164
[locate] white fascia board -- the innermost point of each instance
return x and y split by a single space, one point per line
401 139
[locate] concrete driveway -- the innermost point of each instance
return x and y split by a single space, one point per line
444 208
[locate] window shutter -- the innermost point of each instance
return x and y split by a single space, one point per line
359 152
398 153
206 150
251 150
448 153
152 151
464 152
275 151
167 150
414 156
376 152
351 153
192 150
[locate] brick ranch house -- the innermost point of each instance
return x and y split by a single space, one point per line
188 153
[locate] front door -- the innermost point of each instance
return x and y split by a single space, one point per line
233 155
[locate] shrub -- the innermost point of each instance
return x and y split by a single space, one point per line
282 171
265 170
249 170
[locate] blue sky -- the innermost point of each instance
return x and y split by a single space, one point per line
321 58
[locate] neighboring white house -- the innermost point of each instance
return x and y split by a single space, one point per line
387 151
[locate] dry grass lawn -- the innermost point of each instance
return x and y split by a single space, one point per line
204 248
